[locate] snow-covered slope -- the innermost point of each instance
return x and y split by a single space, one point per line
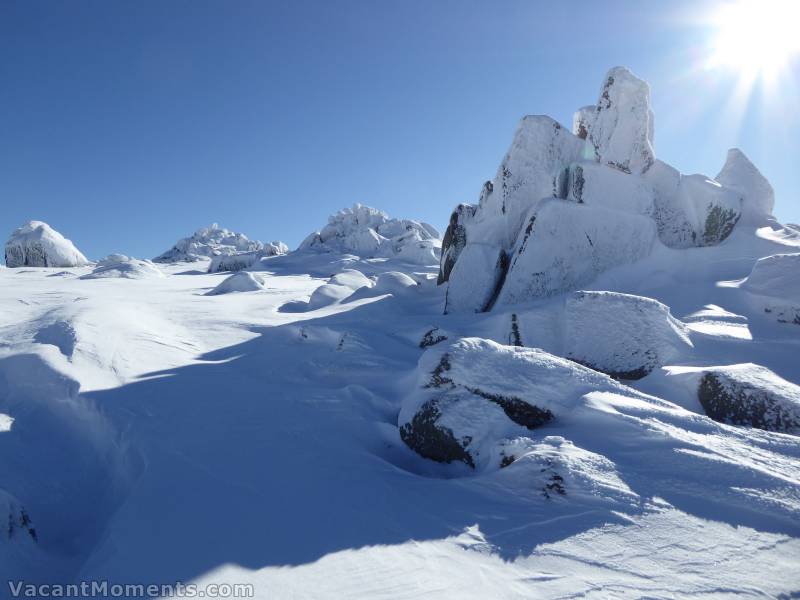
36 244
216 241
370 233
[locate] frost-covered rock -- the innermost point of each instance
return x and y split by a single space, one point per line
370 233
36 244
242 281
712 209
621 130
758 197
474 396
120 266
750 395
567 245
774 285
245 260
622 335
597 185
476 279
455 238
209 242
582 121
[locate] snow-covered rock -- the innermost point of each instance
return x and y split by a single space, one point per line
621 130
582 121
751 395
474 397
245 260
622 335
36 244
597 185
712 209
476 279
338 287
758 197
209 242
567 245
123 267
774 285
242 281
370 233
455 238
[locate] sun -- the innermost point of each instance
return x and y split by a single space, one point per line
758 38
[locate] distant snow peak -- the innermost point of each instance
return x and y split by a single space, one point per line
36 244
212 241
566 206
371 233
119 266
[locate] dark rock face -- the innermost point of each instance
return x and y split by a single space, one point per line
517 410
430 440
736 402
632 375
431 338
514 338
719 224
455 238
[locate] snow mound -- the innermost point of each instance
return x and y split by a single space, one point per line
243 281
244 260
526 239
473 397
622 335
747 394
775 287
36 244
338 287
210 242
740 174
124 267
370 233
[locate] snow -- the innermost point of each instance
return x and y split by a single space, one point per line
212 241
239 282
245 260
775 287
740 174
124 267
36 244
370 233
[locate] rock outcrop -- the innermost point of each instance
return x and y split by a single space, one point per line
566 206
210 242
245 260
36 244
774 287
758 197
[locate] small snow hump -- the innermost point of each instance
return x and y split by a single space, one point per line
36 244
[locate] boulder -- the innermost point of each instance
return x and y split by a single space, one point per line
741 175
244 260
210 242
750 395
455 238
622 335
621 130
567 245
476 279
243 281
712 209
582 121
36 244
474 396
774 287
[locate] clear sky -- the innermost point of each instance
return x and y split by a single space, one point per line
127 125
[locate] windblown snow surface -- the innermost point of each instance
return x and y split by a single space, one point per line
155 433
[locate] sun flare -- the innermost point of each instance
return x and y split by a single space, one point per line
756 37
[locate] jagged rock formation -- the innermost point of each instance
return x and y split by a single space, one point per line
750 395
774 287
36 244
245 260
210 242
621 335
370 233
566 206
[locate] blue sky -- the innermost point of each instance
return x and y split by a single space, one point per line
127 125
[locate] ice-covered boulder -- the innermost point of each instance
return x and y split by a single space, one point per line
750 395
622 335
120 266
597 185
712 208
476 279
758 197
455 238
474 396
245 260
621 130
209 242
36 244
567 245
582 121
370 233
242 281
774 286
